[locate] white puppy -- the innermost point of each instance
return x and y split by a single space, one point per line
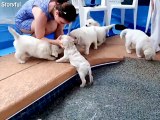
101 33
136 39
84 37
27 46
91 22
72 55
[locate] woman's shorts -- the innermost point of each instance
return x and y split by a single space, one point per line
25 25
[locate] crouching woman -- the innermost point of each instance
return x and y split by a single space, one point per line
42 17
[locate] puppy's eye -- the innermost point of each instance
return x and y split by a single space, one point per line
75 37
89 23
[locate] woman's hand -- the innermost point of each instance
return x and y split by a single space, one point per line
58 41
54 42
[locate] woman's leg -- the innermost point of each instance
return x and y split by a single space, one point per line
25 26
59 30
28 26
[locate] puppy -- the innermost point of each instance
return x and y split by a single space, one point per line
84 37
72 55
27 46
101 33
136 39
91 22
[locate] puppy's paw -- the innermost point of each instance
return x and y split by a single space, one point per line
57 61
96 47
91 81
86 53
21 61
129 51
51 58
139 56
82 85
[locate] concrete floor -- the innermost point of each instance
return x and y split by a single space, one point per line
129 90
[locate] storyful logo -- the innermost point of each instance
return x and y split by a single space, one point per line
10 4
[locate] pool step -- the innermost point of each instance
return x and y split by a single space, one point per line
6 39
7 51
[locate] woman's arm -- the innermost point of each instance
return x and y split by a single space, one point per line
59 30
55 42
39 23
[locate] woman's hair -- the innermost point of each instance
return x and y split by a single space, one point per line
67 11
62 1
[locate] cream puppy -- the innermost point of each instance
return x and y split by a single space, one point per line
27 46
72 55
84 37
101 33
91 22
136 39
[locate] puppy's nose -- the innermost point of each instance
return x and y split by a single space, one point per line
86 25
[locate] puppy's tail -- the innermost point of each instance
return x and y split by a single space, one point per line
123 33
13 32
109 27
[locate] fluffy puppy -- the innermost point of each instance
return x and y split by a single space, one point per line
136 39
91 22
72 55
101 33
27 46
84 37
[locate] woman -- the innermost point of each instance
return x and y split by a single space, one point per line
155 24
42 17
